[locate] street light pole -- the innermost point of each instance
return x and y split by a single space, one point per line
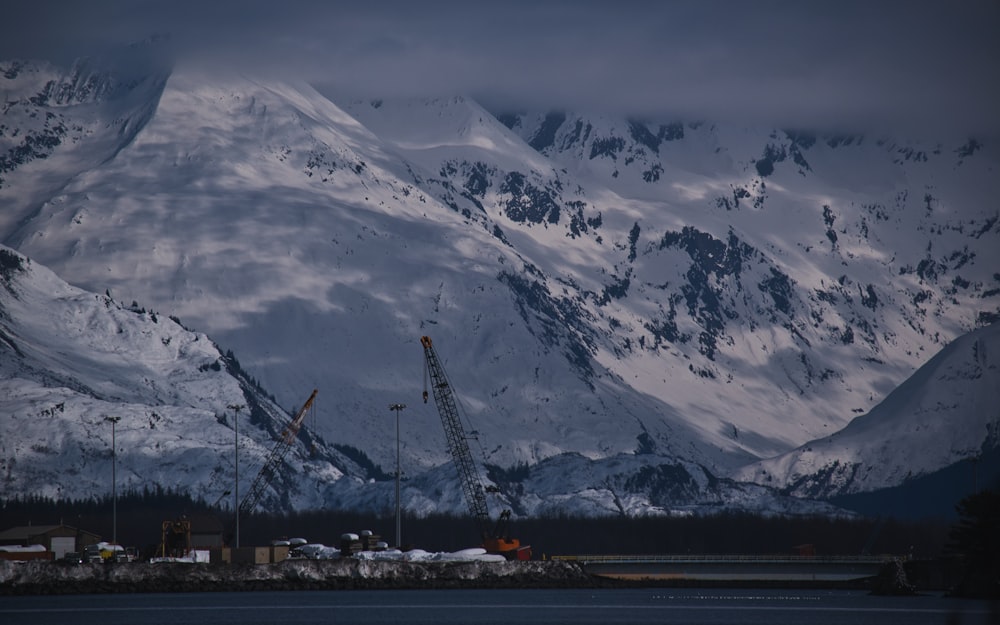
114 480
236 463
397 408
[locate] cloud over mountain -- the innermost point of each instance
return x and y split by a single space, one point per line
926 66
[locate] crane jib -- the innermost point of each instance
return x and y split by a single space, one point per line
457 441
275 458
495 538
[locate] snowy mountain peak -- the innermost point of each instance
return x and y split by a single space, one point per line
600 286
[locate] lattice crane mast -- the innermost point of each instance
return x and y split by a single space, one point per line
275 458
494 536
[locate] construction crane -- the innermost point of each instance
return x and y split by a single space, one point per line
494 536
267 470
277 455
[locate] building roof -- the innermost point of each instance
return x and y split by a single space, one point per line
22 532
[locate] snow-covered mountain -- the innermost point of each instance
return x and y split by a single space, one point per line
947 412
69 359
607 288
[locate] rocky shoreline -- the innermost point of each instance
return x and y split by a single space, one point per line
46 578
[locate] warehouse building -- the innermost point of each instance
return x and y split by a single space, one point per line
57 539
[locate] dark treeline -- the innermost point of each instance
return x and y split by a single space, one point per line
140 516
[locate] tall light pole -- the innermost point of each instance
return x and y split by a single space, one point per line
236 463
114 480
397 408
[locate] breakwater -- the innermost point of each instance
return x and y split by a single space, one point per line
38 577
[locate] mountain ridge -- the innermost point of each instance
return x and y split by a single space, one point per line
844 463
72 358
597 295
174 427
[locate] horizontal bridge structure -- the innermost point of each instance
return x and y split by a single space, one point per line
732 568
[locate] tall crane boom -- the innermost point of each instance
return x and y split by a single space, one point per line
494 539
458 443
275 458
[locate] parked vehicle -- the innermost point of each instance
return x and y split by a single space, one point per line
92 553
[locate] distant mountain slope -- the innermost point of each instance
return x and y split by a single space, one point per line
72 358
947 413
59 123
795 293
597 286
69 358
270 218
933 495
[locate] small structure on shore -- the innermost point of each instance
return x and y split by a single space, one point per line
58 540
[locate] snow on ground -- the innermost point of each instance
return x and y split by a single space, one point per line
317 551
22 548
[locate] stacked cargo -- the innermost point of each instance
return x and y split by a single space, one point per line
350 544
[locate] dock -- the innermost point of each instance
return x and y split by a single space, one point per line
731 568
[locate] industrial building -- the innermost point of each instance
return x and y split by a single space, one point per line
58 540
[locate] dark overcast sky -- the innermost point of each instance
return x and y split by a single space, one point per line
854 65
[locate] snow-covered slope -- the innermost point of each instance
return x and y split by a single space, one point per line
70 358
60 123
271 219
596 286
947 412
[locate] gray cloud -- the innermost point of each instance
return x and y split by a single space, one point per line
919 65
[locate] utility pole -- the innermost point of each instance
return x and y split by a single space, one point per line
114 481
397 408
236 463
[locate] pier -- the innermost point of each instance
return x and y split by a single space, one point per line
731 568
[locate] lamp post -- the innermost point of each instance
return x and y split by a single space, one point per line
114 480
397 408
236 463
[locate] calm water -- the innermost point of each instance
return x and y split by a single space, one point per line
440 607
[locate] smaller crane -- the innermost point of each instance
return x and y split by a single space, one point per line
267 471
495 539
275 458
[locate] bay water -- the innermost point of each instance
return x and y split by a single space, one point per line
495 607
